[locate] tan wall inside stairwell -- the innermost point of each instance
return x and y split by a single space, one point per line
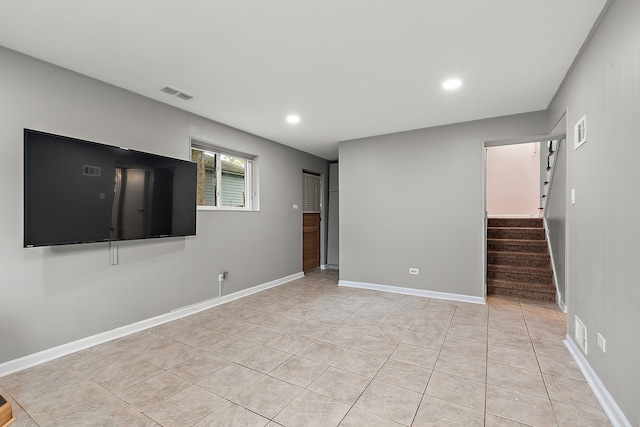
513 180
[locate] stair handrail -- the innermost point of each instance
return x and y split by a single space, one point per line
549 172
548 182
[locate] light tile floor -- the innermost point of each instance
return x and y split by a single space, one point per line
310 353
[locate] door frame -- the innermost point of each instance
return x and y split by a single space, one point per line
496 143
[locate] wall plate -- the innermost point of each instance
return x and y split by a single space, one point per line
602 343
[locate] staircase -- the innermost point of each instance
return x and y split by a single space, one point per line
518 261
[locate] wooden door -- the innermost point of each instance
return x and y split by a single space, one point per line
310 241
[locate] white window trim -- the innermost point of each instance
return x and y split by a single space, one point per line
251 173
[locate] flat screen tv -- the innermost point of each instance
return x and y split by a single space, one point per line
79 191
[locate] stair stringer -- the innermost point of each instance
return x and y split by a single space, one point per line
559 299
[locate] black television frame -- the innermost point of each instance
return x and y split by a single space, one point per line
78 191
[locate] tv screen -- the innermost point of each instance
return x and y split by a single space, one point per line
79 191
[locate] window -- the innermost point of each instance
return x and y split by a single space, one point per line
225 179
310 193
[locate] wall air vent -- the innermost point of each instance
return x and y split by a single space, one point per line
580 132
581 335
89 170
177 93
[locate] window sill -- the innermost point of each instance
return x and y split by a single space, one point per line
225 209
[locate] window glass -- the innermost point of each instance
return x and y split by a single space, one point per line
233 181
206 176
310 193
225 180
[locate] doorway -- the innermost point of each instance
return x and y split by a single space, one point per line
516 255
311 207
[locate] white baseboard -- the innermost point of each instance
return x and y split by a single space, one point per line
561 303
412 291
332 267
611 408
34 359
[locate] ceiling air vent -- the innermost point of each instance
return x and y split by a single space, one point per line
177 93
170 90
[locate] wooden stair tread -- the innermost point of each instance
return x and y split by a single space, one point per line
506 245
520 285
516 233
515 222
515 228
520 269
519 254
526 294
524 259
535 242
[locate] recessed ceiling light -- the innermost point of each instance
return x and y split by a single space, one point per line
452 84
293 119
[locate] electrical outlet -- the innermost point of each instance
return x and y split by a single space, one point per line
602 343
414 271
220 277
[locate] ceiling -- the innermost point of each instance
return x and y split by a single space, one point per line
348 68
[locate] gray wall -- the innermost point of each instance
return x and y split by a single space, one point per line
54 295
555 213
603 286
415 199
